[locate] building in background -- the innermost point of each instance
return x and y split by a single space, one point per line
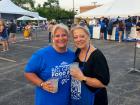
86 8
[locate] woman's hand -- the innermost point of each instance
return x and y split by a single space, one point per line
48 86
77 74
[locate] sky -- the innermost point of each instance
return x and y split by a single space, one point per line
68 4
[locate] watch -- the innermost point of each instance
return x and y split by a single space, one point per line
84 80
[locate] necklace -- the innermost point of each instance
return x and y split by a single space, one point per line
85 57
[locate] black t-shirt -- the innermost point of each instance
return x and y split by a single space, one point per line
13 28
96 67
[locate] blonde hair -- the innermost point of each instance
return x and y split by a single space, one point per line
3 22
60 26
85 29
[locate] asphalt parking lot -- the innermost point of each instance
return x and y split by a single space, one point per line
124 87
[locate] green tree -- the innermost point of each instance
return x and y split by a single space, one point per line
54 13
21 3
51 3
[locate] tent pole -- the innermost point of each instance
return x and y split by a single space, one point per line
137 19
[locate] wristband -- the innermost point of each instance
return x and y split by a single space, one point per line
41 84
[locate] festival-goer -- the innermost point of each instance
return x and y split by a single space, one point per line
94 70
52 62
3 36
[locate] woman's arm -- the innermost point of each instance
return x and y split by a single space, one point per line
93 82
33 78
46 85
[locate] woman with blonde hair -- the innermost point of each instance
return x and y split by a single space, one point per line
52 62
93 72
3 36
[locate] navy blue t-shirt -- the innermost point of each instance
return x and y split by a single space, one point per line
48 63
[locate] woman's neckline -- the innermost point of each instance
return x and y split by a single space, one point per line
58 51
89 55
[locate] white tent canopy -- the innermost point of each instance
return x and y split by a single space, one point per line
6 6
39 18
97 12
122 8
25 18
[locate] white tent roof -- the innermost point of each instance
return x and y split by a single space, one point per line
122 8
24 18
97 12
39 18
6 6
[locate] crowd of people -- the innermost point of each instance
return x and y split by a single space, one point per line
123 27
10 29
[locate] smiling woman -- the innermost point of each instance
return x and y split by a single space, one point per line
60 37
49 63
93 72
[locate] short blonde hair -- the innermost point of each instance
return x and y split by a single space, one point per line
85 29
60 26
3 22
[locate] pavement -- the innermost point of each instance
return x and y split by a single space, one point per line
124 87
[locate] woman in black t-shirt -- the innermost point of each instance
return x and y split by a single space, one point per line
95 72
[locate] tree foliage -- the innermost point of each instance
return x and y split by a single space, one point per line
21 3
51 3
50 9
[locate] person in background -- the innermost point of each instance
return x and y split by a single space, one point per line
50 27
28 31
110 29
83 23
128 26
3 36
52 62
121 28
12 30
69 23
94 71
138 33
92 24
103 28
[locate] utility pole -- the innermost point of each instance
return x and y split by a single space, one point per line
73 10
73 6
94 3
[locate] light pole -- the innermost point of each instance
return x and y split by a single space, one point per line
73 11
73 6
94 3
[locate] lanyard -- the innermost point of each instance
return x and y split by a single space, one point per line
85 58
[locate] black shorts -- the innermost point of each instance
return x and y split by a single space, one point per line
102 30
110 32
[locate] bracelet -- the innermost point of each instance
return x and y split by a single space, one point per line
41 84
